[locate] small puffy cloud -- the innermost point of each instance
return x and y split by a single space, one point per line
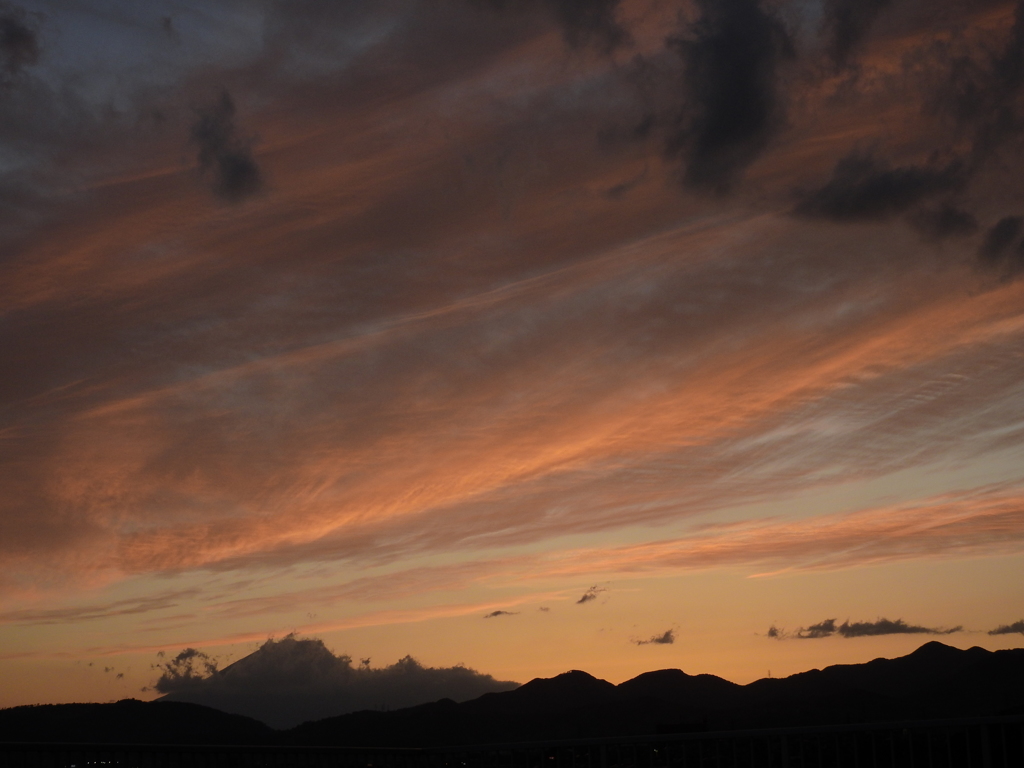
290 681
665 638
732 104
846 24
775 633
863 188
544 609
887 627
981 92
185 671
815 631
590 594
1017 628
494 614
943 223
999 238
589 22
19 46
223 153
583 22
828 628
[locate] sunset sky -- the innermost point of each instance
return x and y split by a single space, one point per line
532 335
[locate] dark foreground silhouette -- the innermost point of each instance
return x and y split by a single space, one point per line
935 681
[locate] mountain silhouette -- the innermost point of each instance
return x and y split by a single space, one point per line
130 721
935 681
289 681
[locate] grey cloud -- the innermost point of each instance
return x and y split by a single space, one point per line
863 187
732 104
167 25
775 633
586 21
223 152
494 614
846 23
822 629
887 627
1017 628
590 594
848 629
665 638
943 223
999 238
290 681
583 22
980 92
184 671
19 44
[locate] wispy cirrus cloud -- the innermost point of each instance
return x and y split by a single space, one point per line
129 607
987 521
472 310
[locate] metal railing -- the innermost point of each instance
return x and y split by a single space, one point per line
971 743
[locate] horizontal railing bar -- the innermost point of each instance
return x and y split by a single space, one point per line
726 735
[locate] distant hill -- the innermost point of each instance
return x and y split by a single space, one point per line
131 722
290 681
935 681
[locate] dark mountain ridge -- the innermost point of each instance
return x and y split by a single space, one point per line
131 722
935 681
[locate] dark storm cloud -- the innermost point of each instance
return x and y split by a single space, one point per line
846 23
1017 628
828 628
290 681
19 45
590 594
943 223
732 102
863 187
223 152
665 638
494 614
999 238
